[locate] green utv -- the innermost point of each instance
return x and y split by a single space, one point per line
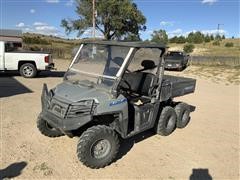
114 90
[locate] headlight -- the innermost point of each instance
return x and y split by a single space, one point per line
81 108
83 103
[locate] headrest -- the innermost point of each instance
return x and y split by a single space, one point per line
148 64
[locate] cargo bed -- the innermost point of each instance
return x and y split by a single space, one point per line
173 86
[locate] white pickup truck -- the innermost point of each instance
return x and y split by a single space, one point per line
28 63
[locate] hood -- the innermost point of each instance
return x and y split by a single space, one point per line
70 92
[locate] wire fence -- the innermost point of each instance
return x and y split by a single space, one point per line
215 60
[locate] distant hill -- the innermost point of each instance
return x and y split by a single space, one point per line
208 49
58 47
62 48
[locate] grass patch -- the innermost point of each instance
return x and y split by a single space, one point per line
43 168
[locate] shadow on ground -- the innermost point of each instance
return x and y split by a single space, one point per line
127 144
200 174
12 170
10 87
45 74
42 74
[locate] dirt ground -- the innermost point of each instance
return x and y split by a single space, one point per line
207 147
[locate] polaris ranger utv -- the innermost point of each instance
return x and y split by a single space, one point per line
114 90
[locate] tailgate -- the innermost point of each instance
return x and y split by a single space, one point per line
50 59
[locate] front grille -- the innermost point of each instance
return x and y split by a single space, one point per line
80 110
75 111
58 108
65 110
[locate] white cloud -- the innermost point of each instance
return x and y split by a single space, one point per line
88 33
210 2
69 3
40 28
32 11
52 1
214 32
166 23
176 32
44 28
180 32
20 25
27 29
40 24
149 31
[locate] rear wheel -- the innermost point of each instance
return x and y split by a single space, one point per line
183 114
167 121
98 146
46 129
28 70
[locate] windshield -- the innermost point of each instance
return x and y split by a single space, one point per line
174 55
97 64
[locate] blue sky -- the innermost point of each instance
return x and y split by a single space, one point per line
177 17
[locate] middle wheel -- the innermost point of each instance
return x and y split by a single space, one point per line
167 121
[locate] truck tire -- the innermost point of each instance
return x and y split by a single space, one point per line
167 121
47 129
28 70
98 146
183 114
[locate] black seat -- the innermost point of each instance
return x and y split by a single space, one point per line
139 82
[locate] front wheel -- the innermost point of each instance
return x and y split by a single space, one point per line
46 129
98 146
28 70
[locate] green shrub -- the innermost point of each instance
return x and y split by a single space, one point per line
207 38
216 43
188 48
229 44
195 37
35 40
35 48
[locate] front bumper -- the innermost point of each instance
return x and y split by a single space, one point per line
50 66
64 125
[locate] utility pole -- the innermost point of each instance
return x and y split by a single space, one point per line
218 29
93 19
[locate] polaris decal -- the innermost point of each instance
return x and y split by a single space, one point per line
118 102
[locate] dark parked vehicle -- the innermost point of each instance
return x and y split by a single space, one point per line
176 60
111 91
